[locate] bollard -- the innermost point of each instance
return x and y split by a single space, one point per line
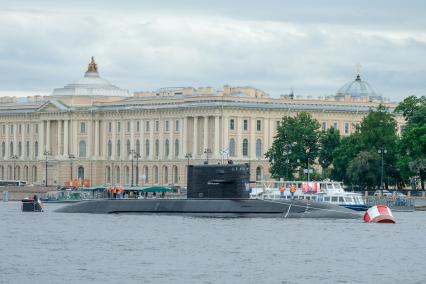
5 196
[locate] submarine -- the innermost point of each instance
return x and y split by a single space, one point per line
215 191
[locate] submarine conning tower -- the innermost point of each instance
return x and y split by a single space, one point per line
218 181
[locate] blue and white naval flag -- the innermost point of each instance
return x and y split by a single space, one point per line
224 152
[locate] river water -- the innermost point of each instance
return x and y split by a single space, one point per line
54 247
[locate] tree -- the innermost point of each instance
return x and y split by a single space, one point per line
412 146
343 155
329 141
364 169
294 146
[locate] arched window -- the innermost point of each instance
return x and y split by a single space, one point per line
11 149
258 148
26 173
177 148
2 172
157 148
80 173
232 147
166 148
155 168
82 149
34 174
36 150
19 148
166 174
175 175
145 175
126 172
109 148
3 149
10 172
128 148
245 147
118 148
259 174
108 174
147 148
138 147
17 172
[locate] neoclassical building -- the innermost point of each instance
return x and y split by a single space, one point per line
92 130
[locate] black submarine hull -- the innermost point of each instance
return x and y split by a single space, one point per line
213 208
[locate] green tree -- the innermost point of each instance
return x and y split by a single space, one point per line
294 146
343 155
412 147
363 170
329 141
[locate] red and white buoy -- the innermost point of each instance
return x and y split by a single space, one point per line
379 214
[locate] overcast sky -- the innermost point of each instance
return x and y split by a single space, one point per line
310 46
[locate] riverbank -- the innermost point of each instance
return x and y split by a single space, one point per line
19 192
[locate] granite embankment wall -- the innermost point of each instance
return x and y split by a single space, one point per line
20 192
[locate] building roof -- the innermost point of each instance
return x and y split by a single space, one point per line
356 89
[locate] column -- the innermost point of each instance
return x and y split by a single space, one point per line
66 138
206 133
48 135
24 145
113 140
132 135
15 140
194 138
41 145
252 138
216 150
89 141
104 127
59 136
161 139
172 154
7 142
30 153
96 153
183 133
239 140
225 139
142 142
151 140
123 149
266 140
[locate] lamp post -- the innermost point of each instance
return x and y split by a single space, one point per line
132 153
188 156
71 157
14 158
207 152
46 154
382 151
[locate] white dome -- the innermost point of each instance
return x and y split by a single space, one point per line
90 85
356 89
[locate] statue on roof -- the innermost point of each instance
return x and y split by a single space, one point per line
93 67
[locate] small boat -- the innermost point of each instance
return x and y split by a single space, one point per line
329 192
32 204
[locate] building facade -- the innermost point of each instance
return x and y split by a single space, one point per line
92 130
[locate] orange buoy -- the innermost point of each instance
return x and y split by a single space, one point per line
379 214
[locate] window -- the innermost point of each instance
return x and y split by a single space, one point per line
324 125
19 148
28 128
145 176
176 148
126 174
109 127
245 147
245 124
3 129
11 149
175 175
128 147
27 151
118 126
177 125
157 148
258 125
258 148
231 124
259 174
128 126
118 148
3 149
11 129
36 128
346 127
138 126
336 125
138 147
166 174
36 149
157 126
80 173
82 149
147 148
20 129
82 127
166 148
109 148
167 125
232 147
147 126
108 173
155 174
117 174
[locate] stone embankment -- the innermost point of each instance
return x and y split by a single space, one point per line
20 192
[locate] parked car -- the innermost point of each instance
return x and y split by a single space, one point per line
383 192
